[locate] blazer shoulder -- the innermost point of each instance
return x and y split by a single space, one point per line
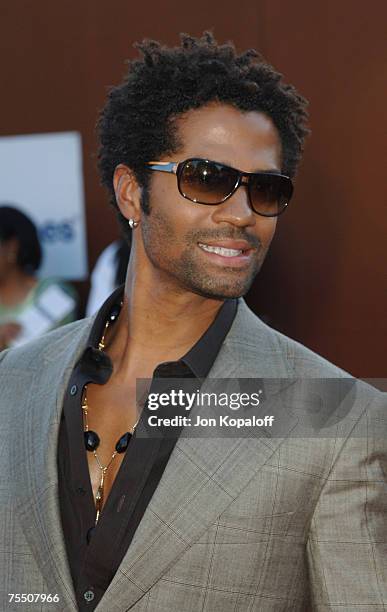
262 348
52 345
303 360
299 360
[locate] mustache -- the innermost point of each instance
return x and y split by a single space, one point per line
232 234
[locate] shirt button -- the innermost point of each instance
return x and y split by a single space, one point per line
88 595
81 490
73 390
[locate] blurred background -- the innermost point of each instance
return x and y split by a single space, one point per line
325 280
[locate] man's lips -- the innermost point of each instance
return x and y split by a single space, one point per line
228 243
231 253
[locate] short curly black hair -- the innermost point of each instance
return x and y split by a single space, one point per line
137 123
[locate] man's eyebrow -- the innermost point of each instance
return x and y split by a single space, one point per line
270 171
230 165
259 170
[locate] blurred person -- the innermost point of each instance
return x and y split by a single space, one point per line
108 273
199 147
29 305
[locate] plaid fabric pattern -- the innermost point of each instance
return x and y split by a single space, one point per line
235 525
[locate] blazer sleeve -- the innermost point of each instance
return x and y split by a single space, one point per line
347 544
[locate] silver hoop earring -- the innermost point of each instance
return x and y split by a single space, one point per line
132 223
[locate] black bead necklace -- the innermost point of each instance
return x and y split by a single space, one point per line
91 438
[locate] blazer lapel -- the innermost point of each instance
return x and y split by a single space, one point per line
40 399
202 478
203 475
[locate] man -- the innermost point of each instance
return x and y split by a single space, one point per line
198 148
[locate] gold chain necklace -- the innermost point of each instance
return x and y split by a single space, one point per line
91 438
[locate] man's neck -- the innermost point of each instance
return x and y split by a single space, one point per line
157 324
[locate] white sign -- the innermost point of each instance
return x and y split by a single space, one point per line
41 175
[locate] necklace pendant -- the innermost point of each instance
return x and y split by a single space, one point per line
123 442
99 498
97 516
91 440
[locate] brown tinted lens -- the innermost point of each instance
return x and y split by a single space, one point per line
206 182
269 193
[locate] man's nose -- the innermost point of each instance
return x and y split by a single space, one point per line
236 210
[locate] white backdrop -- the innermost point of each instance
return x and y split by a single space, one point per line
41 174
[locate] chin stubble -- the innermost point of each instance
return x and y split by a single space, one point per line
192 275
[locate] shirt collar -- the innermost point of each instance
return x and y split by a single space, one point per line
99 322
203 353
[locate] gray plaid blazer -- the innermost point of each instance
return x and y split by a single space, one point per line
258 524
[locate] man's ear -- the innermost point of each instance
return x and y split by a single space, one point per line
128 192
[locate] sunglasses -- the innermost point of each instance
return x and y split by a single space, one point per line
208 182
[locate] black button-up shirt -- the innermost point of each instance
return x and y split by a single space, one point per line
95 552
